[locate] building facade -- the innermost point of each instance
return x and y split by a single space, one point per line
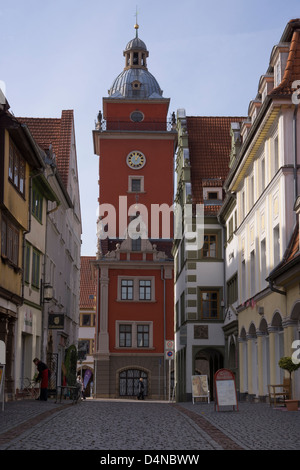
20 160
87 322
61 263
134 265
204 145
264 180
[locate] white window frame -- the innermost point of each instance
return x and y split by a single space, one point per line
134 342
136 285
135 177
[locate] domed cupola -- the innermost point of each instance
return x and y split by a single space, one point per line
135 81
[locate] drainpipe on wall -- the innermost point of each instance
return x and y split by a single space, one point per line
295 152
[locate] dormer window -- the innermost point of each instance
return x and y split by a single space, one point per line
277 73
212 195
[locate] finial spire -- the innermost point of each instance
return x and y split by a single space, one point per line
136 26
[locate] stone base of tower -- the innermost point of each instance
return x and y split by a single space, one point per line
118 376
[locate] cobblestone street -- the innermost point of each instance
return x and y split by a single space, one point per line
124 425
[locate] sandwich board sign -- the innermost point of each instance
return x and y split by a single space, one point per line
225 389
200 387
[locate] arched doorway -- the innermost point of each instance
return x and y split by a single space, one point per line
295 318
128 382
207 362
277 329
265 354
252 350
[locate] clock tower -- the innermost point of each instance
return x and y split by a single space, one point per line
136 143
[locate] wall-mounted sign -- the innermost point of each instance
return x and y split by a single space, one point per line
225 389
56 321
169 349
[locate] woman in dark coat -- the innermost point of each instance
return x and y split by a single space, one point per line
141 390
43 377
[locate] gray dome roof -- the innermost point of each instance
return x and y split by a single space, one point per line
147 85
136 43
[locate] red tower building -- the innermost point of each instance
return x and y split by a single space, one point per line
134 266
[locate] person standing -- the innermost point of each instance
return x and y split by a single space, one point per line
141 389
43 377
81 387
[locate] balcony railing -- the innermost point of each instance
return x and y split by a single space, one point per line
123 125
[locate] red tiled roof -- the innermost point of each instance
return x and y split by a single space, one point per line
87 283
56 132
292 69
210 146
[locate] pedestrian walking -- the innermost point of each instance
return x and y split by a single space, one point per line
81 387
141 389
43 377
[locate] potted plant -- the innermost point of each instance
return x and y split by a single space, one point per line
287 363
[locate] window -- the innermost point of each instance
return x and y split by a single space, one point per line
263 260
85 347
277 74
251 192
243 209
145 290
209 249
37 204
276 155
209 305
87 319
136 289
263 174
16 169
129 382
35 272
243 293
232 290
125 336
182 308
135 184
276 241
212 195
230 228
143 336
136 244
252 272
9 241
127 289
134 334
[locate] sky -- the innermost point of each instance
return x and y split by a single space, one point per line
207 57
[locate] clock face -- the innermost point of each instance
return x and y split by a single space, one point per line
136 160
